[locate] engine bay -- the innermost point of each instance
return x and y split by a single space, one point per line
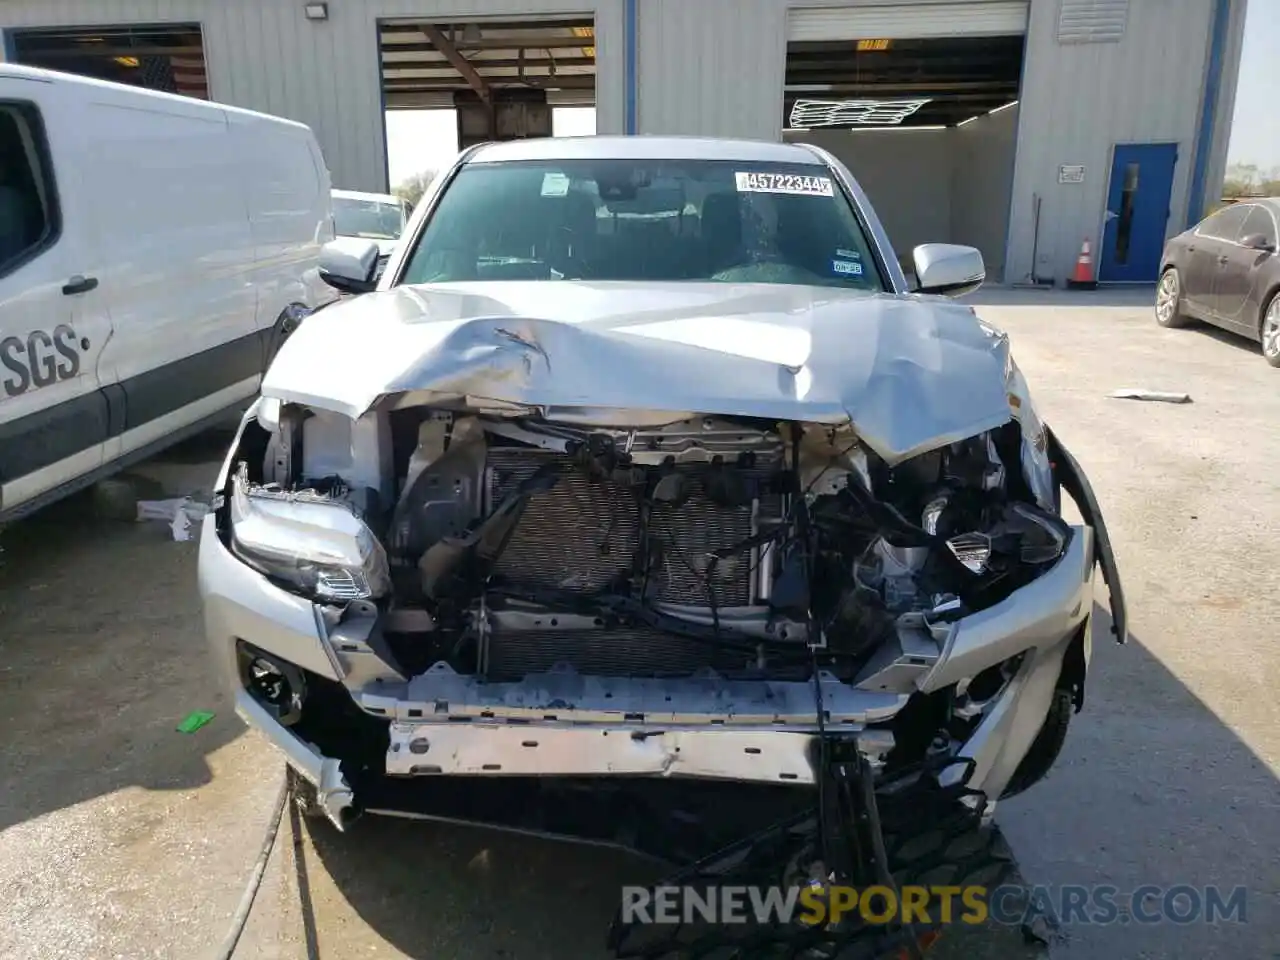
713 546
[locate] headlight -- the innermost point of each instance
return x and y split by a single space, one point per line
973 550
316 546
1035 453
1023 534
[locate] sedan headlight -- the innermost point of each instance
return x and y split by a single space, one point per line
311 544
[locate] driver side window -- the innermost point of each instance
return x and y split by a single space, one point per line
1259 224
1224 225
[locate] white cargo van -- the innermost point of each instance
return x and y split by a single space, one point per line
154 251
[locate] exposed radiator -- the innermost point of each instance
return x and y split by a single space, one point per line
584 533
621 652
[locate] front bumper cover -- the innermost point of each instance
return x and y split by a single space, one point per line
565 724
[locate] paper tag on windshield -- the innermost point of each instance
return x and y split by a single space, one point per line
792 183
555 185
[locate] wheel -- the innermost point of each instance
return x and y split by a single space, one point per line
1271 331
1169 300
1045 748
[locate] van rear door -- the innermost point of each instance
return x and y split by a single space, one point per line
55 415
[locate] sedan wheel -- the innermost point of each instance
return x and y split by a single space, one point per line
1271 332
1169 300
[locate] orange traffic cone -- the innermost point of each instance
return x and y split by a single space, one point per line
1083 279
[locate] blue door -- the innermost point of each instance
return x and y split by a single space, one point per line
1137 211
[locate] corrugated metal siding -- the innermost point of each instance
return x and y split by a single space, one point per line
1078 100
265 55
717 67
908 20
712 67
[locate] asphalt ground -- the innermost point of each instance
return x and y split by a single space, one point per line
121 837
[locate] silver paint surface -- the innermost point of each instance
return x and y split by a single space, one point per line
910 373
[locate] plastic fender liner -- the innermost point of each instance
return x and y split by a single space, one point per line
1067 472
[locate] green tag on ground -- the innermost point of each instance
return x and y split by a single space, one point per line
195 720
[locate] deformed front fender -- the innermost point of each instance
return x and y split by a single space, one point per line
1067 473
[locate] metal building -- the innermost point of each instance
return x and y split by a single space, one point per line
1021 126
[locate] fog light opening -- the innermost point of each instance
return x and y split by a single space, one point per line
277 686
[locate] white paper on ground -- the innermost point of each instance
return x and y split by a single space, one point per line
1136 393
180 513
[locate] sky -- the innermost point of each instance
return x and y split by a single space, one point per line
426 140
1255 126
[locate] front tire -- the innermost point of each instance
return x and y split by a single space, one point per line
1045 748
1270 331
1169 300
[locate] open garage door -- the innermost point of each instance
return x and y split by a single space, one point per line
920 101
992 18
450 84
169 58
502 77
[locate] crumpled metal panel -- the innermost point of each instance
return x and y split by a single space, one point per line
910 373
424 749
442 695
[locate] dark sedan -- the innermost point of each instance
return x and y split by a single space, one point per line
1225 271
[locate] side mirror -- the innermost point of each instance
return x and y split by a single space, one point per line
348 264
948 269
1256 241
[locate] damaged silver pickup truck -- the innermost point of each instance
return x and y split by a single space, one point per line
642 470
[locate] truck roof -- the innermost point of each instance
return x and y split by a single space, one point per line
644 147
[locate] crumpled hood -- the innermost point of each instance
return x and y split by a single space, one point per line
911 373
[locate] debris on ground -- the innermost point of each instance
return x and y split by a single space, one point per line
180 512
1041 930
195 720
1134 393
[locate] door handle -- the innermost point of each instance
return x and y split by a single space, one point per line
1224 259
79 284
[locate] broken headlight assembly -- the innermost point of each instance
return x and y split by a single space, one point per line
307 543
1023 535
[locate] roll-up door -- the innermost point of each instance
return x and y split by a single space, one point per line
903 21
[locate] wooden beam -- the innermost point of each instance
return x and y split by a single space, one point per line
480 46
580 82
459 62
536 63
532 24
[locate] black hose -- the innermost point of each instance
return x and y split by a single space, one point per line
241 917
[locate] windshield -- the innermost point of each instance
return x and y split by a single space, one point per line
645 220
372 219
